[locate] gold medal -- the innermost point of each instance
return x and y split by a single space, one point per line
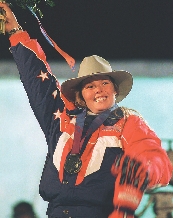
73 163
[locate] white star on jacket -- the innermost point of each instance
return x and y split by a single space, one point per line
43 76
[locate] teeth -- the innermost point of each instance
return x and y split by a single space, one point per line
100 99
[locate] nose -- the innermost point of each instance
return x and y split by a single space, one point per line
98 89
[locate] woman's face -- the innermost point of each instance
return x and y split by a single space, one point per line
98 93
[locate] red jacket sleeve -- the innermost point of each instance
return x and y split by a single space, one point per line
140 142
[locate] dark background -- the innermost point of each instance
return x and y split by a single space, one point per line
118 29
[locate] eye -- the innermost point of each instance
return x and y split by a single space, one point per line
106 82
89 86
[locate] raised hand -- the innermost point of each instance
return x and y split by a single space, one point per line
11 21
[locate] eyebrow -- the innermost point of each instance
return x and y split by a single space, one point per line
85 82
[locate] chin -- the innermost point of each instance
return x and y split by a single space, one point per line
98 111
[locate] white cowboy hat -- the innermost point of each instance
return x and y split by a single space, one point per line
95 65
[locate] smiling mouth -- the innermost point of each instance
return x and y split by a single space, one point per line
100 99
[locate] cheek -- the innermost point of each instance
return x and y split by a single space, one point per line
84 95
112 90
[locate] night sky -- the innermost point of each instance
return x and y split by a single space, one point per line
114 29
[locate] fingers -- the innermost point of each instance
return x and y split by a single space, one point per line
4 5
11 21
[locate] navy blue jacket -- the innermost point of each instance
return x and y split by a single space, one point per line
93 198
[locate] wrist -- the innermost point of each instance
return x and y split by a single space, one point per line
15 30
22 37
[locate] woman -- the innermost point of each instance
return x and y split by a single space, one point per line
101 158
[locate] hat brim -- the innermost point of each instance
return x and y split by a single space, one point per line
123 80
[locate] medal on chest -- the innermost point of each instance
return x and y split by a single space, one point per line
73 163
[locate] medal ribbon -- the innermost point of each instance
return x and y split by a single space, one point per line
78 132
68 58
90 139
77 143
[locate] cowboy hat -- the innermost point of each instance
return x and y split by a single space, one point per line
95 65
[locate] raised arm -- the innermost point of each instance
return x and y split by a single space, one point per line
40 84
